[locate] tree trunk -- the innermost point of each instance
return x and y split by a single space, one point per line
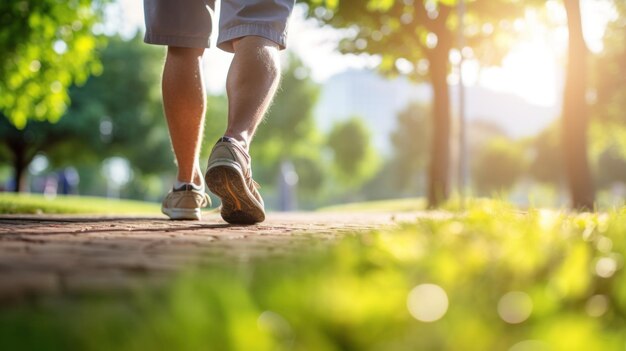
575 114
439 168
20 163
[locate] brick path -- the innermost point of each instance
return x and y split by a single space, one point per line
58 255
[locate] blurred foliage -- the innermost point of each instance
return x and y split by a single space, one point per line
546 163
214 124
607 155
608 71
493 278
354 158
497 166
401 31
46 45
611 167
289 125
403 172
411 145
113 109
106 117
608 132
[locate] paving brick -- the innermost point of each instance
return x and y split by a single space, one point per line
48 254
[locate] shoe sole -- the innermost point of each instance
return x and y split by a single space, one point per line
183 213
239 206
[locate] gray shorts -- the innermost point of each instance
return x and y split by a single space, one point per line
188 23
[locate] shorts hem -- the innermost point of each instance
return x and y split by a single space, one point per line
264 30
174 40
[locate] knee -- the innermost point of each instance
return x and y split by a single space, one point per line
264 50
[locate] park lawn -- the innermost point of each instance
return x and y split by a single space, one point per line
392 205
11 203
491 278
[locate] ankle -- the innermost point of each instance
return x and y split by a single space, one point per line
198 178
195 179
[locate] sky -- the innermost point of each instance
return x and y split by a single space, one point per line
538 57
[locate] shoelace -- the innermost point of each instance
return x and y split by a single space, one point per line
205 200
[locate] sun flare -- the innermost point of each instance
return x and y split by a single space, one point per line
529 71
534 68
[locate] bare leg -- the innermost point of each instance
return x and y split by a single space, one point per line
184 102
251 84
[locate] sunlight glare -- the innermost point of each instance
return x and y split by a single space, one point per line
529 71
595 16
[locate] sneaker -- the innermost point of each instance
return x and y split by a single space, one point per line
229 176
185 202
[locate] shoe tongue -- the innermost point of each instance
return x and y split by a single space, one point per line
187 187
231 140
227 139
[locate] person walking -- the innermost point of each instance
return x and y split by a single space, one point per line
255 31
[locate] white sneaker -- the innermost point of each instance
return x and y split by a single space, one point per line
185 202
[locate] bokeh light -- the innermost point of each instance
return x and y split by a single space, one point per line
597 305
427 302
515 307
606 267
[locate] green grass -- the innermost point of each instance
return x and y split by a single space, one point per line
542 280
11 203
394 205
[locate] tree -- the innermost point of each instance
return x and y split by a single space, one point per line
420 35
611 167
46 46
354 158
510 162
410 141
124 103
575 113
546 164
19 147
116 113
610 73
